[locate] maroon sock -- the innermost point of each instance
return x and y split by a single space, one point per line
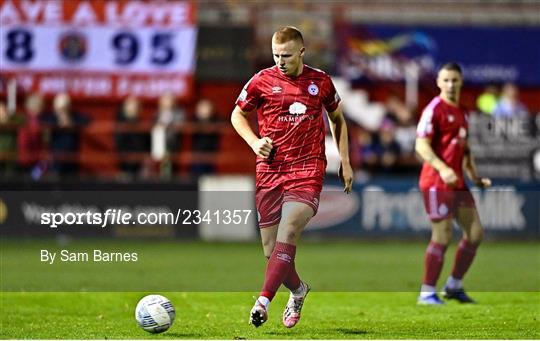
292 281
464 257
433 262
278 268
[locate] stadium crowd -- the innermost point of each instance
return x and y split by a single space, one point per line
37 142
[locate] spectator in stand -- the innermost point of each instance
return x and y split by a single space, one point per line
128 142
386 147
364 145
8 139
169 116
166 138
509 104
405 126
31 138
65 135
205 114
379 151
487 101
366 156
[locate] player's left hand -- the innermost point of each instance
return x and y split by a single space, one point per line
345 174
483 182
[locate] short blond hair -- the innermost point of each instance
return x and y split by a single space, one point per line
286 34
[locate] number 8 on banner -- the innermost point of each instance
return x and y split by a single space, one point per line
19 46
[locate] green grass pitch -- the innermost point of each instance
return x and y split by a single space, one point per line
361 290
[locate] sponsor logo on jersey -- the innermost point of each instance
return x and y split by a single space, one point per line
313 89
276 90
295 119
297 108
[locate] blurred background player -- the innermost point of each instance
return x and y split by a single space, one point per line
291 162
442 144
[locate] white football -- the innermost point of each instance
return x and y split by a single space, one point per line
155 313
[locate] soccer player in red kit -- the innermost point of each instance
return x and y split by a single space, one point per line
289 99
442 143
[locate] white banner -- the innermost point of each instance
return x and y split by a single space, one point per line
92 48
99 49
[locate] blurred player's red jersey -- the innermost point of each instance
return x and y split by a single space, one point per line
289 112
447 127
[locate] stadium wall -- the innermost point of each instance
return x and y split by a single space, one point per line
380 208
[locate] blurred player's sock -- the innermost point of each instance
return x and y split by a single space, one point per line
292 280
427 290
464 257
433 263
264 301
453 283
301 290
279 266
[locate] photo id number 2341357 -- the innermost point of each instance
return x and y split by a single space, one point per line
226 217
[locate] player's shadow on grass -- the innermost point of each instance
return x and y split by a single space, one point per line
347 331
351 331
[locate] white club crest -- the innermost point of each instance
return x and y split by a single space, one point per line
313 89
297 108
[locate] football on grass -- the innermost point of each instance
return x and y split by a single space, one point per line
155 313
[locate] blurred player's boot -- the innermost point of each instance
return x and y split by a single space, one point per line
291 315
259 312
458 294
432 299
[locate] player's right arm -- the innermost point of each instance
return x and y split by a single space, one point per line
260 146
425 151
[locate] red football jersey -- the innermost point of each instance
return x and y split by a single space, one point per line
289 112
447 126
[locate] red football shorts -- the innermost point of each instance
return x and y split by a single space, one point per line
273 189
443 203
